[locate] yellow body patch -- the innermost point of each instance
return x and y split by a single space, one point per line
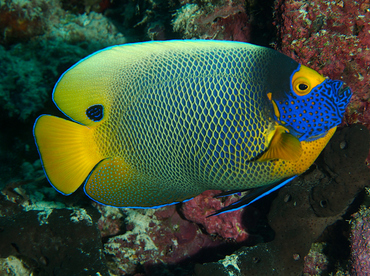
310 151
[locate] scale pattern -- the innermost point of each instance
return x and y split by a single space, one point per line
185 120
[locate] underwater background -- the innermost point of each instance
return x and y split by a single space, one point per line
319 224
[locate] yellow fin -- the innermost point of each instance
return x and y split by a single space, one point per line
68 151
282 146
113 182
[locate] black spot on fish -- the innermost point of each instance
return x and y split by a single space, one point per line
95 112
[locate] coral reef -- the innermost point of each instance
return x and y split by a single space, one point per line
227 225
111 221
143 20
21 21
360 242
316 262
239 20
154 237
206 20
23 88
80 7
13 266
50 238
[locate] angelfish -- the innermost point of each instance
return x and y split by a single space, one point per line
158 123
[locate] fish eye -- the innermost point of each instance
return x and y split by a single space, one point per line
302 86
95 112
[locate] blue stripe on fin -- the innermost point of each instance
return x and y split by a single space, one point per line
257 194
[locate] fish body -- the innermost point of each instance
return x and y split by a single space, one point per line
158 123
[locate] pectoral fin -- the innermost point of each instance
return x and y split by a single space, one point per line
283 145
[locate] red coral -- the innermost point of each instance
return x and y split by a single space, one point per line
110 222
315 263
227 225
154 237
360 242
235 27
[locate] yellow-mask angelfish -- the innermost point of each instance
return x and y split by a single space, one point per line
158 123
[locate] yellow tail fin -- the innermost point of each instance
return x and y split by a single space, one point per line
68 151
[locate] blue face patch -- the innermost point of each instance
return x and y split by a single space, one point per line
315 113
95 112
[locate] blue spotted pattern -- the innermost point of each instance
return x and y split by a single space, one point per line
311 115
